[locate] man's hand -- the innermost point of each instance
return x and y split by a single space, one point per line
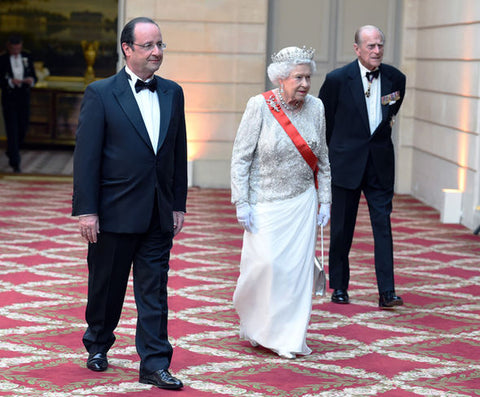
89 227
29 81
178 218
17 82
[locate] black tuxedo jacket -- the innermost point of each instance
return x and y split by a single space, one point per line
116 172
6 70
350 142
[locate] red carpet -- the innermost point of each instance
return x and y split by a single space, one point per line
429 347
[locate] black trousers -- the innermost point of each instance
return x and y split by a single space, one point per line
109 262
16 114
342 226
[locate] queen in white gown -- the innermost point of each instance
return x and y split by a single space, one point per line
273 189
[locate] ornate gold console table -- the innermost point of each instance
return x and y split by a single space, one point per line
55 107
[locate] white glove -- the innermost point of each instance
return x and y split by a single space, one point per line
245 216
323 215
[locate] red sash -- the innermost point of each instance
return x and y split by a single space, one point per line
292 132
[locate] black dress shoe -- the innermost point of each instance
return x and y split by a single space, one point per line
97 362
17 169
388 300
340 296
162 379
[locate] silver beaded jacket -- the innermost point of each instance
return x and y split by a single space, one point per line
266 166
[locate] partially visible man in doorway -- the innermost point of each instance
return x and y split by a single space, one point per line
17 77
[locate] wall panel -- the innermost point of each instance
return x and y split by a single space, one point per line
216 52
217 38
446 12
449 42
456 112
457 77
214 68
246 11
447 144
445 92
353 14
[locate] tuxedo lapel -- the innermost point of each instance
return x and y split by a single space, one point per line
165 98
358 96
127 102
8 64
28 66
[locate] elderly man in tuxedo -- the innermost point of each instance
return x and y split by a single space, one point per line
17 76
361 100
130 189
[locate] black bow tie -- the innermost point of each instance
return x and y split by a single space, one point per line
151 85
372 75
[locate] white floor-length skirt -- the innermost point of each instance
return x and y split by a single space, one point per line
273 297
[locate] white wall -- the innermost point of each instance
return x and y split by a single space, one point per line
441 56
216 52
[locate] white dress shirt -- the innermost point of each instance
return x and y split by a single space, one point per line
17 67
374 106
149 108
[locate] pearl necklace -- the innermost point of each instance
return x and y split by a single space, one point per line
284 104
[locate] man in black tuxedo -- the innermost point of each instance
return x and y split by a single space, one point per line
130 190
361 100
17 76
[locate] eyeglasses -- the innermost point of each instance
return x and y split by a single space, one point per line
150 46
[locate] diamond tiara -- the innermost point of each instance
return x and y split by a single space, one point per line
291 54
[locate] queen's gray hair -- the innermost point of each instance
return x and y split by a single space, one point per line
281 70
287 59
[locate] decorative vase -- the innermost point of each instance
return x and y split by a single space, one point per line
90 53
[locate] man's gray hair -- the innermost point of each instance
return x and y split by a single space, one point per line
360 30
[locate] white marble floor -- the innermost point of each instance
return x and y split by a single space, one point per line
43 162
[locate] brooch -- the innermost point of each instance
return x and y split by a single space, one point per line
272 103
